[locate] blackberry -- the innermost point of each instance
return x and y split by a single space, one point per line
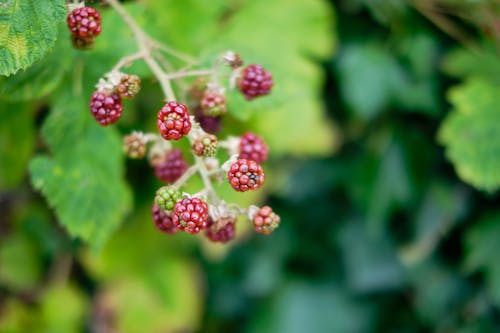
255 81
172 167
244 175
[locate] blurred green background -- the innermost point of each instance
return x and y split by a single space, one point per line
384 135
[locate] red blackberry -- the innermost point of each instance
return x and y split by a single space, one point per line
244 175
134 145
173 121
167 196
163 220
172 167
190 215
206 145
213 104
84 22
106 107
209 124
253 147
129 86
255 81
222 231
265 221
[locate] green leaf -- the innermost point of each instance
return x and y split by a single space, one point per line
481 63
28 30
40 79
368 74
302 307
17 139
83 180
63 309
441 209
370 260
15 250
470 133
483 245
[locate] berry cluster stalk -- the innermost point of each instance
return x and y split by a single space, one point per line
146 45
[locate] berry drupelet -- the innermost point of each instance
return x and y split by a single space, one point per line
253 147
171 167
255 81
173 121
265 221
190 215
106 107
84 23
163 220
244 175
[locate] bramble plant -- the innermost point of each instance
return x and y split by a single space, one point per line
173 210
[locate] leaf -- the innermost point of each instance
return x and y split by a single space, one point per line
302 307
442 208
370 260
470 133
482 245
28 30
368 74
83 180
40 79
17 140
14 250
437 291
481 63
63 309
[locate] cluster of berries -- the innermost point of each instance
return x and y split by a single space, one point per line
84 23
174 211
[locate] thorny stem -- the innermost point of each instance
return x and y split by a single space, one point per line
146 45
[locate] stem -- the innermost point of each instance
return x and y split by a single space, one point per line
211 194
175 53
144 43
200 72
127 60
189 172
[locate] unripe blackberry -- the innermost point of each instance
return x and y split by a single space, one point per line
167 196
255 81
173 121
84 22
172 167
106 107
163 220
208 124
265 221
206 145
129 86
134 145
253 147
190 215
213 104
244 175
222 231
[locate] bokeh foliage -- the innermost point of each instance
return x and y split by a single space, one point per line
384 134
